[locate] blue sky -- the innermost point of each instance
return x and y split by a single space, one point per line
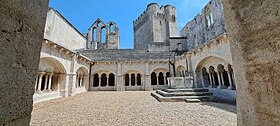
82 13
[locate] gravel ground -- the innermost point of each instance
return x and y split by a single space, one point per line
129 109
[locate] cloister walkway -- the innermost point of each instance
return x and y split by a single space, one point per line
129 108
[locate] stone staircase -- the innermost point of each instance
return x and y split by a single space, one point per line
183 95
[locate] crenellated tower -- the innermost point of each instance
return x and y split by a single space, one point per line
154 27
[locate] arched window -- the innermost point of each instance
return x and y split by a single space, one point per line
111 28
127 80
139 79
103 35
160 79
95 80
195 40
94 34
154 78
111 79
133 79
209 17
103 80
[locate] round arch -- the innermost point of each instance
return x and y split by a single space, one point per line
48 64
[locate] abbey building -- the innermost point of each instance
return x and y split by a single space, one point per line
72 62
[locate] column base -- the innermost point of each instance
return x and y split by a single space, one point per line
212 86
222 87
231 88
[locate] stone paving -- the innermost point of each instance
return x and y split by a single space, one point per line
129 109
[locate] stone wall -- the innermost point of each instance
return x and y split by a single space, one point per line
197 30
60 31
21 35
254 28
127 55
155 25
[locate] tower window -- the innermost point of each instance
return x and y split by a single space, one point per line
209 17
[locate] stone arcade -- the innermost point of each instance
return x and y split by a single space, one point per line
72 62
253 41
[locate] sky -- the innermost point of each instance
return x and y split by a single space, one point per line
82 13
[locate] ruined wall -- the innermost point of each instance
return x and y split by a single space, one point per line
254 28
198 31
60 31
21 35
98 30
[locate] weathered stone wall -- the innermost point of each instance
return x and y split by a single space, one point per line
126 55
21 35
254 28
155 25
198 26
60 31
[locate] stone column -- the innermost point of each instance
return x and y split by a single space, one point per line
213 79
219 80
36 82
230 80
50 82
129 76
164 79
100 78
210 80
202 78
157 79
107 81
41 74
81 80
46 81
74 83
223 81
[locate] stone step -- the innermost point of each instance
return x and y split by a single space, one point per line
179 98
173 94
187 90
193 100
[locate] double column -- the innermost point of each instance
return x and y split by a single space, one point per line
47 83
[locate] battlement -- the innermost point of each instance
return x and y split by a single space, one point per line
154 7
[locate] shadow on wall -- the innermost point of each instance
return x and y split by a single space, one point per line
223 106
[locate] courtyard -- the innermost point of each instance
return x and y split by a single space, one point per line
128 109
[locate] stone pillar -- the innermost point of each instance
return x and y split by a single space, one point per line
22 23
107 81
254 45
164 79
46 82
100 79
90 38
230 80
213 79
219 80
157 80
147 82
41 74
81 81
50 82
129 82
74 83
210 79
202 78
36 82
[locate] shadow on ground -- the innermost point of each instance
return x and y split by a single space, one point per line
228 106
